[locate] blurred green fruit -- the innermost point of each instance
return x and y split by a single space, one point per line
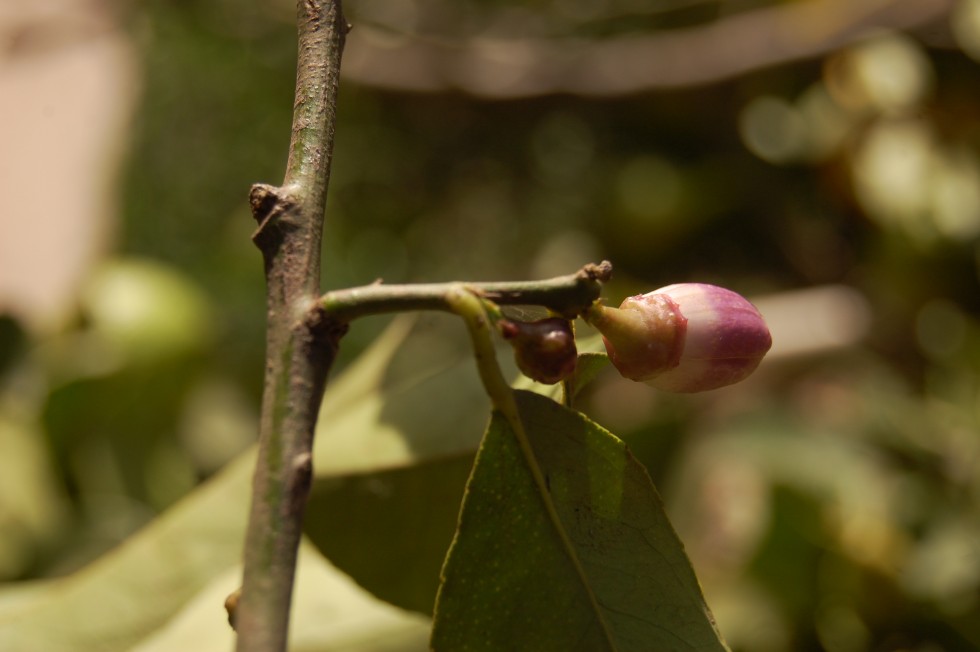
145 310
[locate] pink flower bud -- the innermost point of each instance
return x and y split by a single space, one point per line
544 350
688 337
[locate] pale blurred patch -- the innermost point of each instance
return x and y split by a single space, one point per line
773 129
891 172
955 195
564 253
886 74
216 423
907 180
145 311
945 566
67 90
622 405
749 616
809 129
814 320
965 23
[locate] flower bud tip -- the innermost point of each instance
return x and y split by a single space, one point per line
687 337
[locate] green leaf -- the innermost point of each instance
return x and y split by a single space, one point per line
131 594
367 422
608 573
162 591
392 459
390 530
587 367
32 507
329 612
115 602
365 375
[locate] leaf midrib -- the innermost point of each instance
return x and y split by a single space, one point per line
517 425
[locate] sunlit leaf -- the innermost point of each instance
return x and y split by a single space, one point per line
604 571
329 612
366 374
117 601
368 421
32 508
131 593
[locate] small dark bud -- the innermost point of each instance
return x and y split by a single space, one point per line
231 606
544 350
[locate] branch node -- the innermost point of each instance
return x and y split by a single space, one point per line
324 331
302 481
600 272
231 606
271 208
263 198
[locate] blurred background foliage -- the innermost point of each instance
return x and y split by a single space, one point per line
821 157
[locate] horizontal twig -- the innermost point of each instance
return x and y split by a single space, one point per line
566 295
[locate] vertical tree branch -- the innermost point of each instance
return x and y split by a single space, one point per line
299 347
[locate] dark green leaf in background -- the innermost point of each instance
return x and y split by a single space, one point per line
587 368
511 582
390 529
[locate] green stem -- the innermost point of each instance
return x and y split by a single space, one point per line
468 305
567 295
300 347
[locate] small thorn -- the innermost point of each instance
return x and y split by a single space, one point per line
231 605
